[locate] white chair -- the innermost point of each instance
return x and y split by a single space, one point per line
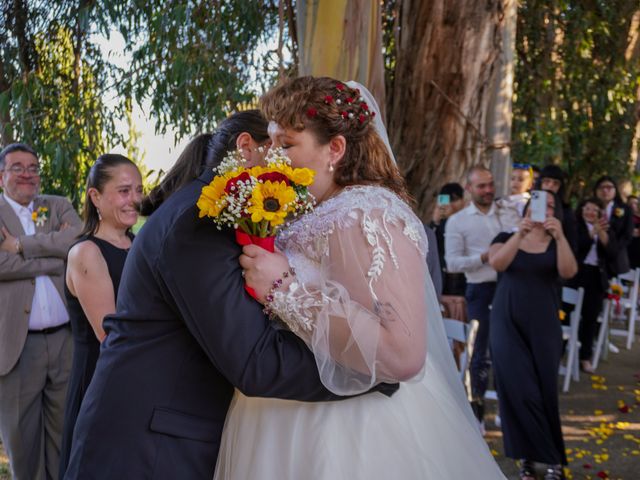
465 333
630 282
602 342
570 334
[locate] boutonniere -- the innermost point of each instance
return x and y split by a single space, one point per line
40 215
618 212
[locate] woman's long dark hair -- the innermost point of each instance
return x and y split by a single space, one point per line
205 151
558 208
99 174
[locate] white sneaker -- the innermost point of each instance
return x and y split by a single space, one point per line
613 348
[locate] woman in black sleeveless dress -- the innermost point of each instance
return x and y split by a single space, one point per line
95 265
526 338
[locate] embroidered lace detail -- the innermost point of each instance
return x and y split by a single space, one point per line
306 241
308 233
295 306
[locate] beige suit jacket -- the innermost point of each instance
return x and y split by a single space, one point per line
43 254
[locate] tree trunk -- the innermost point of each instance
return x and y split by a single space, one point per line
499 118
342 39
446 60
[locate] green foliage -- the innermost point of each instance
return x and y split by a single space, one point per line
576 91
52 81
196 61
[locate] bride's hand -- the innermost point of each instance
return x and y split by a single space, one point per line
261 268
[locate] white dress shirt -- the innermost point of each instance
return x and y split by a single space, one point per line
47 307
469 233
592 256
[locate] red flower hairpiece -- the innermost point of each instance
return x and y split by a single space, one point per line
312 112
340 86
328 99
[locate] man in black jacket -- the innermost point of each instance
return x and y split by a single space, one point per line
184 335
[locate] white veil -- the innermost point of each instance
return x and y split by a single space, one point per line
377 119
440 368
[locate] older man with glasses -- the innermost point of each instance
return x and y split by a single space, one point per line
36 232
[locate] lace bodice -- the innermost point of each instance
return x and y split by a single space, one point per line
357 256
373 209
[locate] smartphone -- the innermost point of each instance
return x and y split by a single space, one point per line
444 199
538 206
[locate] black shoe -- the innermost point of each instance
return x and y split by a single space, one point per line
554 472
527 470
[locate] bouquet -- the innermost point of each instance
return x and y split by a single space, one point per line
615 293
256 201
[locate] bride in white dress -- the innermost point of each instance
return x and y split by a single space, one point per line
364 303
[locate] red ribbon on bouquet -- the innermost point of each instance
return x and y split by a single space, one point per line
268 243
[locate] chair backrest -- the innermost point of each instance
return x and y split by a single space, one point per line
456 330
629 282
574 297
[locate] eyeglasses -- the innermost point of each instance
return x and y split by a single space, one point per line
606 187
20 170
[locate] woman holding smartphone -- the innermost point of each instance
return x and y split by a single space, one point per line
526 336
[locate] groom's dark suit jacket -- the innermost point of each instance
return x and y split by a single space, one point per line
185 333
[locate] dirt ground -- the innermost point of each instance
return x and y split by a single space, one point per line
600 418
600 422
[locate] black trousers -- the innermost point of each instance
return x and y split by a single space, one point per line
590 278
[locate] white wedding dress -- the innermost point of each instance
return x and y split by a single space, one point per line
360 262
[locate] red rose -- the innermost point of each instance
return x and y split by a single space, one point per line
344 114
328 99
362 118
602 474
364 106
340 86
312 112
349 100
243 177
274 177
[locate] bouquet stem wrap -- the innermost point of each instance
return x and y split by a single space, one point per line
268 243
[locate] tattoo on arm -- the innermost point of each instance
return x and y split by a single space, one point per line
388 315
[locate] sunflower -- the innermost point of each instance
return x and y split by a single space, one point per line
271 201
212 199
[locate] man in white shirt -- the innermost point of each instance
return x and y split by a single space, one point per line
468 235
35 339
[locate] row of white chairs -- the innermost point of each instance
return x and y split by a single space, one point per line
618 318
569 369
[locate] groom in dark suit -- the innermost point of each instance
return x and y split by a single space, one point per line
184 335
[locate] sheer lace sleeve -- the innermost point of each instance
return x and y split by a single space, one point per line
361 305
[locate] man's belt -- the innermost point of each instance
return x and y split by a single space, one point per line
49 330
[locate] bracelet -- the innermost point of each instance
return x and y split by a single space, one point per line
277 283
18 245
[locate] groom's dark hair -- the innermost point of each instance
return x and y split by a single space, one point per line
205 151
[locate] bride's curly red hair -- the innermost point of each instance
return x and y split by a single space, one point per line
328 108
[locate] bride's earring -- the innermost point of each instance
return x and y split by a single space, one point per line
331 167
99 215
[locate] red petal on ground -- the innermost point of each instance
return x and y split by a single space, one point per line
587 466
602 474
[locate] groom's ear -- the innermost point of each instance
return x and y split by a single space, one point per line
337 148
244 144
